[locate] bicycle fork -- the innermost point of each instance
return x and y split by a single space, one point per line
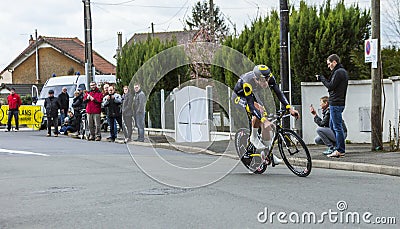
287 142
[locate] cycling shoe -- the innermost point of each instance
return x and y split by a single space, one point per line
257 143
277 161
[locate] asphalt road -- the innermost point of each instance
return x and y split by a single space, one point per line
70 183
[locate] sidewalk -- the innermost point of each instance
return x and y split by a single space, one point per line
359 157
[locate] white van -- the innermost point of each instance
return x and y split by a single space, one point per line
72 83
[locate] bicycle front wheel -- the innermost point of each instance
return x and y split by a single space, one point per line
294 153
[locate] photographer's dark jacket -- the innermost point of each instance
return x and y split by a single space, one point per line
324 121
113 105
77 103
63 98
52 106
139 103
127 104
337 85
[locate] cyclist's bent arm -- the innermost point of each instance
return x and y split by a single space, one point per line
280 95
283 99
253 109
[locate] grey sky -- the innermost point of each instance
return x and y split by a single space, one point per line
64 18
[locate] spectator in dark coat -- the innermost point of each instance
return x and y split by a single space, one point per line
326 136
104 110
70 124
127 113
337 87
52 106
78 105
63 98
139 111
112 102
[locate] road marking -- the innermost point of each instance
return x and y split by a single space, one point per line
22 152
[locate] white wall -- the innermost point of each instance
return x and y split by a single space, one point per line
358 95
6 77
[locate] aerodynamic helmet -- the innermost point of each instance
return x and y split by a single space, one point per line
262 71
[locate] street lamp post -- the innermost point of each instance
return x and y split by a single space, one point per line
284 55
88 42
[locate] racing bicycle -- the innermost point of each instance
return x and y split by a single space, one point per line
292 148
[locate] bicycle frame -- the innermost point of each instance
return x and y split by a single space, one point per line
277 119
291 147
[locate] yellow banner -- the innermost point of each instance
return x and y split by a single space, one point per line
28 115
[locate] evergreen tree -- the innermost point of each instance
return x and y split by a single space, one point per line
390 62
200 19
134 62
315 33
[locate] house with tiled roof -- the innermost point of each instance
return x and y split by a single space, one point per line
56 56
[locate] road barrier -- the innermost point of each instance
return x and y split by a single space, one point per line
28 115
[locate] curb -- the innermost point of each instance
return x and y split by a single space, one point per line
349 166
184 149
358 167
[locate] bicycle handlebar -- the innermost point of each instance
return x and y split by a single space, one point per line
278 116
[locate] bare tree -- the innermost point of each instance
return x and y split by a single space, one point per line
393 20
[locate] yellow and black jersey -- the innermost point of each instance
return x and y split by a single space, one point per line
247 85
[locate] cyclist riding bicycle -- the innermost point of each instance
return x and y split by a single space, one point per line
260 77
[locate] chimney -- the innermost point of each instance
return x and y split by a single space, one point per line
119 48
31 41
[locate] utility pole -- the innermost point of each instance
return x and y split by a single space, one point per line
376 83
88 43
152 30
37 58
284 57
212 19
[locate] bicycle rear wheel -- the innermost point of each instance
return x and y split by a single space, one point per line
252 163
294 153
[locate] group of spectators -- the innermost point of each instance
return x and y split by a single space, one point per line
331 129
117 109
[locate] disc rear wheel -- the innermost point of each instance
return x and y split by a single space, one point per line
253 162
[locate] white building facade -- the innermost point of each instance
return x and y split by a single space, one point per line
357 113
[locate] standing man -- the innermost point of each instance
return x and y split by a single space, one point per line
337 88
139 111
93 109
14 102
104 110
77 105
112 101
63 99
127 113
52 105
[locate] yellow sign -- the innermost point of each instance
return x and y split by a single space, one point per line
28 115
